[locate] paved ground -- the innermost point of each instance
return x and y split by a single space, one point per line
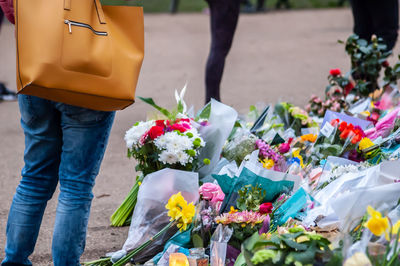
284 55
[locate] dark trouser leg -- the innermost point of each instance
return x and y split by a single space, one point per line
1 17
376 17
224 17
385 20
260 5
362 19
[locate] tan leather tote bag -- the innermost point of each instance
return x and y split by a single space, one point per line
86 53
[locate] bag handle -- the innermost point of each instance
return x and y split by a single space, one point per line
100 12
99 9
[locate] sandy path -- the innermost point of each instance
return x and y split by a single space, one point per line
285 55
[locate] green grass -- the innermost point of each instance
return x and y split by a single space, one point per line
152 6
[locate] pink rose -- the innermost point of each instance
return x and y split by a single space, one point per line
211 192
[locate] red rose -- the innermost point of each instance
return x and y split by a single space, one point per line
348 88
385 63
266 208
155 132
160 123
335 72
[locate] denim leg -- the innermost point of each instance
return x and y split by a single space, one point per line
85 136
39 121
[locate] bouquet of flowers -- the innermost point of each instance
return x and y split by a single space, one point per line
164 144
294 117
173 143
336 138
244 224
271 158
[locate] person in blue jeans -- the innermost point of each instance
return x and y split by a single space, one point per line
64 145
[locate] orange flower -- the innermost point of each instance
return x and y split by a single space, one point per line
309 137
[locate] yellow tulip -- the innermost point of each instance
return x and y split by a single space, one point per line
365 143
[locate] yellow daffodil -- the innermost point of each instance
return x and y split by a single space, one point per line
377 224
179 210
175 205
188 212
395 229
365 143
268 163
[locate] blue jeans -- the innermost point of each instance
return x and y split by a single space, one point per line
63 144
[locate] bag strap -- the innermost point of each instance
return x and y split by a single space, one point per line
99 9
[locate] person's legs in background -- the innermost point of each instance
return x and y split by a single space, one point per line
224 15
5 94
376 17
385 20
260 6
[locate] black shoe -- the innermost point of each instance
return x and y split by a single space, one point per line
6 95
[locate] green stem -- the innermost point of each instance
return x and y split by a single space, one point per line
125 210
395 253
131 254
97 262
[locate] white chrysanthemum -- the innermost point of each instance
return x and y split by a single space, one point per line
161 141
167 157
133 135
183 157
178 144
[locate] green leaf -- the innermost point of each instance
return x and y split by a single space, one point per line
205 112
293 244
151 102
307 256
197 241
